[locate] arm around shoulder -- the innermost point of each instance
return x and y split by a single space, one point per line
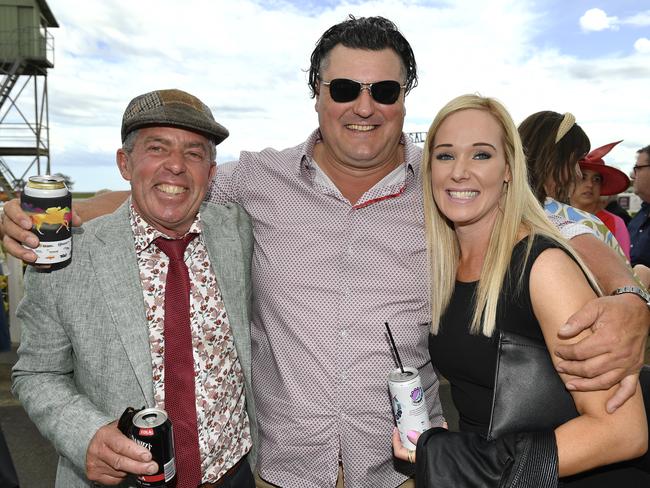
609 268
614 353
99 205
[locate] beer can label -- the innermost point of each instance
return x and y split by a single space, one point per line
409 405
53 252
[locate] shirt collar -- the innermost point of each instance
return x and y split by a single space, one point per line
144 233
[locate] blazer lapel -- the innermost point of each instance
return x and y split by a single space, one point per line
115 264
226 257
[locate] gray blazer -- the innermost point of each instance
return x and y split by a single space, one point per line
84 354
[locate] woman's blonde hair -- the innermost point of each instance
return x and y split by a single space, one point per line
519 211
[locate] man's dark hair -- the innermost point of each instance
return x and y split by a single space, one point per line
371 33
644 150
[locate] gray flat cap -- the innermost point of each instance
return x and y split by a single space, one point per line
173 108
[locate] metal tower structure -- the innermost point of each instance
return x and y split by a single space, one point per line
26 53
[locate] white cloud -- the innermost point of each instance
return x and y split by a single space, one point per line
642 45
596 19
642 19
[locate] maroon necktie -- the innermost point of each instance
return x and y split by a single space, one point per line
180 396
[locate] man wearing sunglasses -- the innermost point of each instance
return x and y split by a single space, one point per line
639 226
339 251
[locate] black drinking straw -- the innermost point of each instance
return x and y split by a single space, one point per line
392 341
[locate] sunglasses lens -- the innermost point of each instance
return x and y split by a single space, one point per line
343 91
386 92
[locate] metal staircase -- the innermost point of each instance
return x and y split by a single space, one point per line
8 182
9 80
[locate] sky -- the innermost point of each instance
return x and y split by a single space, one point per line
248 59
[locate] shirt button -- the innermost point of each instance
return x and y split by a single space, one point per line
344 333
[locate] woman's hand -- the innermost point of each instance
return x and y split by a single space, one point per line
402 452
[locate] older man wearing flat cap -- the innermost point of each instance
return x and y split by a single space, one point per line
153 311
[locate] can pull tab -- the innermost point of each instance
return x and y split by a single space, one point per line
126 420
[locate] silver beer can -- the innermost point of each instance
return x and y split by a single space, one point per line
409 406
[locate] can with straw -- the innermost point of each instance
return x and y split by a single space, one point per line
409 405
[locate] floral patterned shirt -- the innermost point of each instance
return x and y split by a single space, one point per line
593 223
223 425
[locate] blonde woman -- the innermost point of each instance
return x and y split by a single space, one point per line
498 264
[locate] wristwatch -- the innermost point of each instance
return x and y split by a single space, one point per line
635 290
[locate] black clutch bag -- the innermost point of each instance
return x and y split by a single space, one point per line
529 395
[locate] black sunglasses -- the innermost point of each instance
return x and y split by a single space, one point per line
343 90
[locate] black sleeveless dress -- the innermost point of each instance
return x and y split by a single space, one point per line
468 361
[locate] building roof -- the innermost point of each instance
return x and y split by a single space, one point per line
47 14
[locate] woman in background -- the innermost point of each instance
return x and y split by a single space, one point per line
599 179
553 144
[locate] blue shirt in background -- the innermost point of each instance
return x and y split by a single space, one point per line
639 228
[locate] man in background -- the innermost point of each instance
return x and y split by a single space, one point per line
639 226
